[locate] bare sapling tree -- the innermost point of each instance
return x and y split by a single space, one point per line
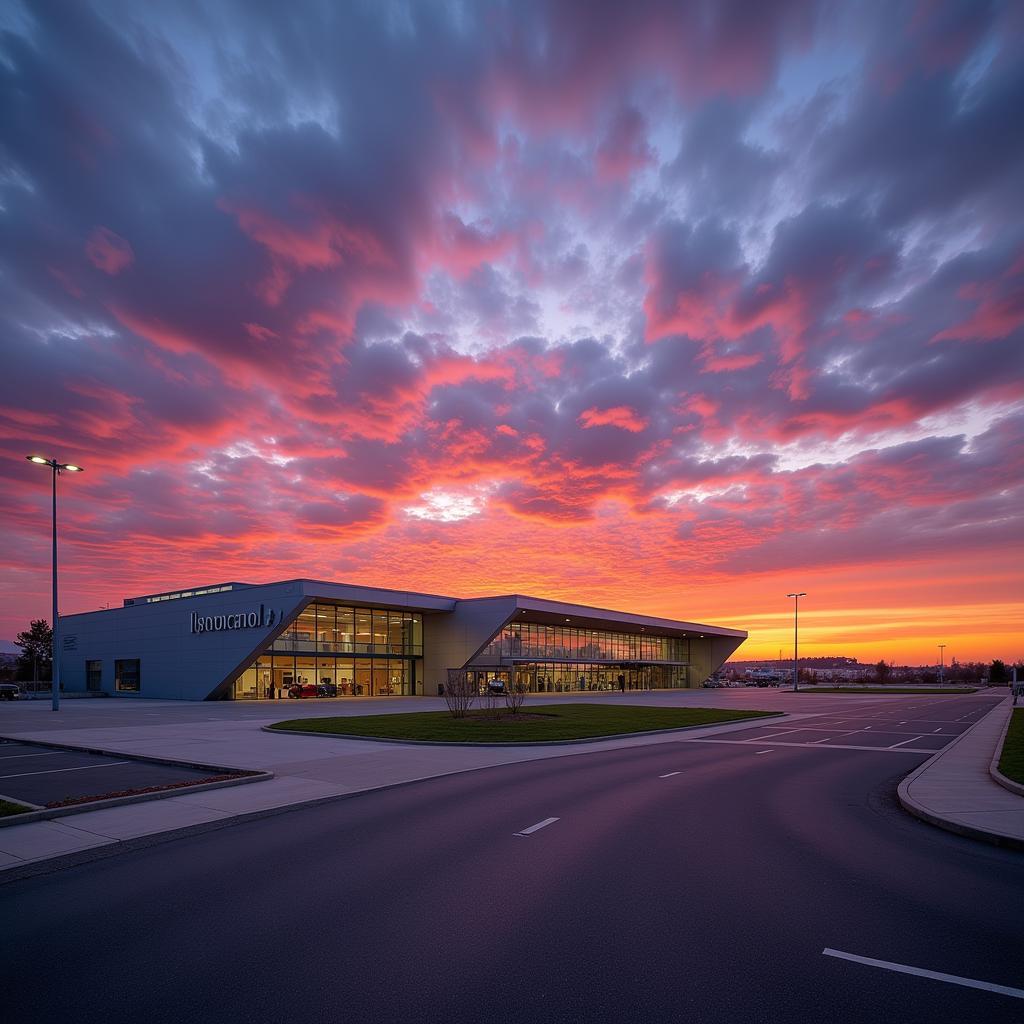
488 702
459 692
515 693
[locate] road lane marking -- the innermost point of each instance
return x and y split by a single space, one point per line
537 827
669 775
764 751
49 753
911 740
815 746
953 979
53 771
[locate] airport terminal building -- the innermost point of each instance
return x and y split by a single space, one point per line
308 639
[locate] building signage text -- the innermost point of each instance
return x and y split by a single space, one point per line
238 620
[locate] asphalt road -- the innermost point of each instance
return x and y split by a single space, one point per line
680 882
44 776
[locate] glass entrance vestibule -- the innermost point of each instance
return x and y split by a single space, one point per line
567 677
339 651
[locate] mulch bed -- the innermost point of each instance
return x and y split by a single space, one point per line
72 800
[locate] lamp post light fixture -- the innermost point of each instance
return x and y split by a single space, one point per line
942 659
796 606
56 469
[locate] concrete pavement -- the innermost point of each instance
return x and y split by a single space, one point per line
678 881
310 770
955 789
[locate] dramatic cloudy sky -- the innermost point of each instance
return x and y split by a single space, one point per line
672 307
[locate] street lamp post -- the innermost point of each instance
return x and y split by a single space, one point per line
942 659
56 468
796 607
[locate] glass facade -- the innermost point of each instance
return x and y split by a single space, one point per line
569 677
538 641
561 659
338 651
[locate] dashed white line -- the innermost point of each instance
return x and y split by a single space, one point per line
53 771
669 775
952 979
536 828
765 751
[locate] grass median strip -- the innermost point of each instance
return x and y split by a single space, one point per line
1011 760
533 724
7 808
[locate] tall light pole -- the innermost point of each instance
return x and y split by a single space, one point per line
942 648
796 609
56 468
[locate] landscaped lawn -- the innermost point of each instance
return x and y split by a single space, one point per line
1011 761
7 808
887 689
536 722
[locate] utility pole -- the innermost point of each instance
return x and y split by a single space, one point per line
942 659
56 468
796 615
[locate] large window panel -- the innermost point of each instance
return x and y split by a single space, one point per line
364 678
380 631
396 633
346 629
345 676
364 630
326 629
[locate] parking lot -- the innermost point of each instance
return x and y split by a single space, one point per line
912 725
46 777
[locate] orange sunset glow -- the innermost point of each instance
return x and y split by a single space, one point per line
656 317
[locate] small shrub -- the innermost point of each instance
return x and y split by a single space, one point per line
459 692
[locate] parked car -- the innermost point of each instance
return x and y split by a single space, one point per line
325 688
10 691
300 690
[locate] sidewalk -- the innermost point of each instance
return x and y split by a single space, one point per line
307 772
955 791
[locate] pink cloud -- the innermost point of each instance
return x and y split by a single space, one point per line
621 416
108 251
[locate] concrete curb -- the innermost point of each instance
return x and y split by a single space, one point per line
919 811
993 768
526 743
153 759
46 865
46 813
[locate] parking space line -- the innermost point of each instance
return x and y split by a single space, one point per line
53 771
911 740
537 827
765 751
952 979
669 775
